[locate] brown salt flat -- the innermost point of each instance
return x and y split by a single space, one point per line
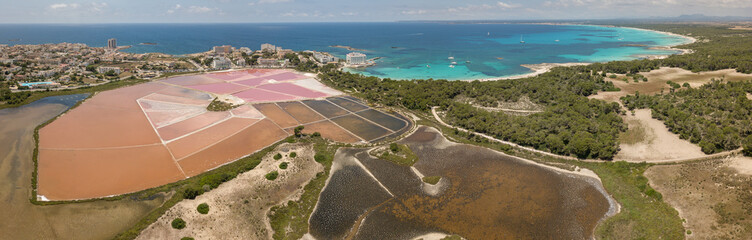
195 142
191 80
276 114
176 99
246 142
91 126
190 125
328 130
81 174
300 112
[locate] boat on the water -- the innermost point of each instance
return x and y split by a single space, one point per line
499 58
454 63
450 58
451 66
521 41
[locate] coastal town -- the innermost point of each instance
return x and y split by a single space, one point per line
73 65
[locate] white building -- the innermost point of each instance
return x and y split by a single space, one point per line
221 63
112 43
245 50
356 58
224 49
324 57
104 69
266 47
240 63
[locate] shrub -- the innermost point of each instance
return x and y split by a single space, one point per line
203 208
272 175
278 156
178 223
191 192
298 131
612 76
319 158
214 180
283 165
394 147
293 154
316 134
187 238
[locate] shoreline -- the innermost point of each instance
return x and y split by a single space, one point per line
541 68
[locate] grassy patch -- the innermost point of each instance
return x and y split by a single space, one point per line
219 106
452 237
637 133
290 220
399 154
277 156
433 180
283 165
293 154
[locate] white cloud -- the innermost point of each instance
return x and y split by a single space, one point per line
414 12
57 6
268 2
97 7
172 10
504 5
200 9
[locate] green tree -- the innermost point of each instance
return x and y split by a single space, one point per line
394 147
178 223
747 151
203 208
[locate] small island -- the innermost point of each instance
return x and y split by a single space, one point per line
147 43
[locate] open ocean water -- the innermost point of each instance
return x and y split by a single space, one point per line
406 49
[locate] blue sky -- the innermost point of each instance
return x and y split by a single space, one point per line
172 11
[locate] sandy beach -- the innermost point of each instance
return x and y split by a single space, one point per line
545 67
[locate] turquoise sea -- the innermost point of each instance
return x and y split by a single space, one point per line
407 50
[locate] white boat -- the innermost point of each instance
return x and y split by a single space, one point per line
557 40
428 66
454 63
521 41
451 66
489 34
450 58
468 61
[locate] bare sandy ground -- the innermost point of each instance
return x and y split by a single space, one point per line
711 196
238 208
741 164
657 81
659 143
537 69
745 28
